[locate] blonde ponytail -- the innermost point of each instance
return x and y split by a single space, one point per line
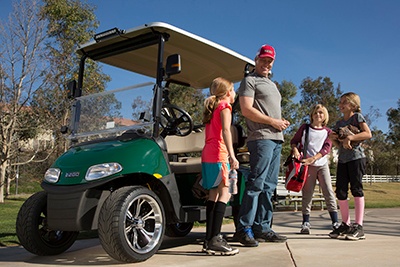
218 89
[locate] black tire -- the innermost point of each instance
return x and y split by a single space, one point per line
33 232
131 224
178 229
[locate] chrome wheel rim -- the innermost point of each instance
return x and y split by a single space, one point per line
143 224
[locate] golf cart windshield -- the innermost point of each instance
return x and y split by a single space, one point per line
110 113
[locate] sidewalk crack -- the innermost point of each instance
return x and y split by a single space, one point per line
291 254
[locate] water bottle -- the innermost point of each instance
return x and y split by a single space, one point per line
233 182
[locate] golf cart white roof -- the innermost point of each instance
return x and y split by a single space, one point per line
201 59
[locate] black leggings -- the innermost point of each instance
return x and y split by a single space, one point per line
350 172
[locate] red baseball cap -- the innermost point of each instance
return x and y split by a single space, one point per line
266 51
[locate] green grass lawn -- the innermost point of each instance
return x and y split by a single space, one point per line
377 195
380 195
9 210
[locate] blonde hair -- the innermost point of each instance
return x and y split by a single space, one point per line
324 110
354 100
218 89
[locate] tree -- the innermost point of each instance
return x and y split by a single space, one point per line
394 124
70 23
190 99
34 71
394 135
290 111
372 115
375 147
20 75
377 153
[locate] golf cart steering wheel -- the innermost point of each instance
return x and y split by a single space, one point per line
175 121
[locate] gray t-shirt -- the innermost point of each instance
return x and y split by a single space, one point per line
346 155
267 100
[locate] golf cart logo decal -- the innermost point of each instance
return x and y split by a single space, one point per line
71 174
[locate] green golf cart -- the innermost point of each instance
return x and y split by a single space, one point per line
134 157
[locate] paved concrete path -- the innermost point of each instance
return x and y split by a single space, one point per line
381 247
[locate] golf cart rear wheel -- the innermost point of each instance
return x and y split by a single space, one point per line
131 224
33 232
178 229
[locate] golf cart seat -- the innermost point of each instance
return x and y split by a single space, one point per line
179 147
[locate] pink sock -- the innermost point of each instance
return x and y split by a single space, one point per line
344 211
359 210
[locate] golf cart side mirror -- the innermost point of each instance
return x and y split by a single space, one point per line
173 64
64 129
72 90
248 68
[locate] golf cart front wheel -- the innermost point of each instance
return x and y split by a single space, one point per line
131 224
33 232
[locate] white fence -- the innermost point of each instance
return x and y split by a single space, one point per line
288 199
376 178
366 179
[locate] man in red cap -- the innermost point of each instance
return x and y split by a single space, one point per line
260 103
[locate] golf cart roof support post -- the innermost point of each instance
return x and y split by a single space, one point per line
76 108
159 86
81 71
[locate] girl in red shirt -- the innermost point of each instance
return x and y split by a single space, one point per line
217 158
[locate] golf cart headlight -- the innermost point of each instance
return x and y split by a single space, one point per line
102 170
52 175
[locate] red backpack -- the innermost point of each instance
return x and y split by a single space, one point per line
296 171
296 175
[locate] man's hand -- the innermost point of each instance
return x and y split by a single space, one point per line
280 124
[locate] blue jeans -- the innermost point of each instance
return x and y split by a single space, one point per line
256 208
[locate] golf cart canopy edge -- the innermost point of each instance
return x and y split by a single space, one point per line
201 59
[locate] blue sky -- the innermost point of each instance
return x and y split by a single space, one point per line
354 42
